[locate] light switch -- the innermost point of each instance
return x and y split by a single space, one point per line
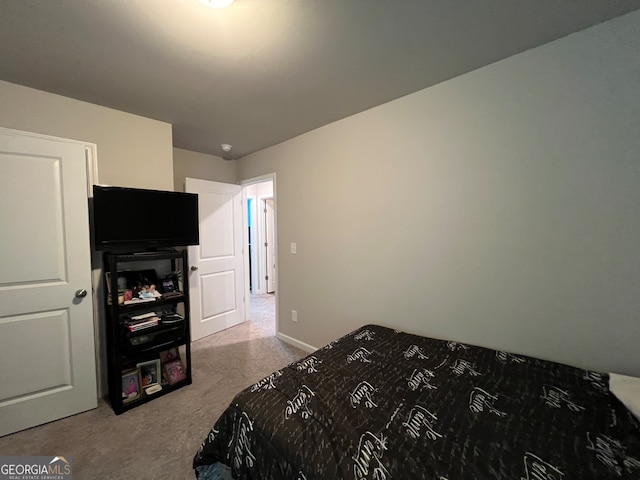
293 248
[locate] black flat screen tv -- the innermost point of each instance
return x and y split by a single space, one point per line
138 219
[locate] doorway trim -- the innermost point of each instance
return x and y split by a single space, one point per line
245 225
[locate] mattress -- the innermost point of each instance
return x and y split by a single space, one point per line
381 404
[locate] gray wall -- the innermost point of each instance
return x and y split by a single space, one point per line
200 165
500 208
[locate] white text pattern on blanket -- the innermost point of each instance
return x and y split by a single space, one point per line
453 346
361 354
414 351
421 378
364 391
612 453
240 443
556 397
364 335
309 365
537 469
300 403
597 381
461 366
210 438
479 399
368 457
267 382
420 418
506 357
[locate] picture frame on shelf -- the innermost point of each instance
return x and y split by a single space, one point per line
149 373
174 371
170 284
131 386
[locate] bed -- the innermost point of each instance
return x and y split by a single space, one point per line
383 404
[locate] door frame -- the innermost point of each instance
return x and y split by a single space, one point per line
245 226
260 238
269 271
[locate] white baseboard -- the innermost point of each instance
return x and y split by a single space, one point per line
296 343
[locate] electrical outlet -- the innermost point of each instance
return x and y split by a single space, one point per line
294 315
294 248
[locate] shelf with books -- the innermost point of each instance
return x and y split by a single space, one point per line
144 337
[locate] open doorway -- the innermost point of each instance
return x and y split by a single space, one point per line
261 265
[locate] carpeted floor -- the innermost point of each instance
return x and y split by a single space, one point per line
159 439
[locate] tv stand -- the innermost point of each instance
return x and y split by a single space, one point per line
148 334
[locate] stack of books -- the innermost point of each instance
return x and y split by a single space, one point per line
140 322
138 300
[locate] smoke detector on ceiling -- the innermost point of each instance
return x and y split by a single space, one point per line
226 148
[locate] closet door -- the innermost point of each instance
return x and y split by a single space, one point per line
47 355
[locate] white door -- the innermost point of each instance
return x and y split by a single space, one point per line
216 281
269 224
47 355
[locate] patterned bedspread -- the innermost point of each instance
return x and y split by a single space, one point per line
383 404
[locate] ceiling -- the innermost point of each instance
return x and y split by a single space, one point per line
263 71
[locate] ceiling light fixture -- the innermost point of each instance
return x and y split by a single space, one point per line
216 3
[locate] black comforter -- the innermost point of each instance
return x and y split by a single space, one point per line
382 404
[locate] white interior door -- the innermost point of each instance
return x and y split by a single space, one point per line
270 250
47 355
216 281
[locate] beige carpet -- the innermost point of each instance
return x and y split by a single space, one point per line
159 439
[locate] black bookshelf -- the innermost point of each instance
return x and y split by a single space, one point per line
138 347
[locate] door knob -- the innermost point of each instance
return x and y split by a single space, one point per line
81 293
194 268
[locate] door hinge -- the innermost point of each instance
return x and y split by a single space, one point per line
266 277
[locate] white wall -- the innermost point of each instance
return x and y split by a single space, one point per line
133 151
499 208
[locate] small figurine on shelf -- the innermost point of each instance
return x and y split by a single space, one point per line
149 291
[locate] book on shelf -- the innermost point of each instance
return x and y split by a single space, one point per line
139 322
139 300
